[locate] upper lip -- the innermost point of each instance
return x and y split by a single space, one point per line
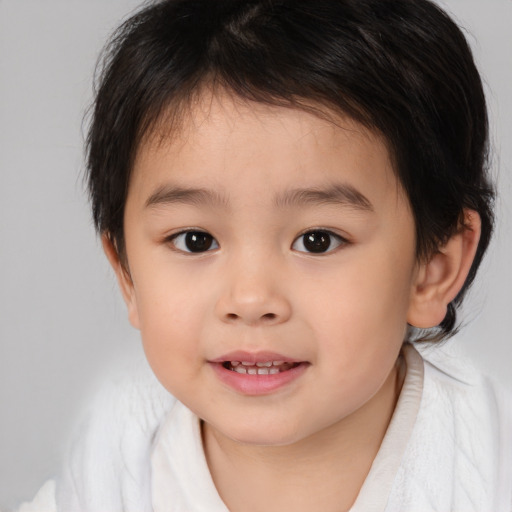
254 357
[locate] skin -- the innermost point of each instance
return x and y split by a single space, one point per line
344 311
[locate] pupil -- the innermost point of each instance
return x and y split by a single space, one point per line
197 241
317 241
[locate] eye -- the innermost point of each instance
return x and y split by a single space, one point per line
318 241
194 241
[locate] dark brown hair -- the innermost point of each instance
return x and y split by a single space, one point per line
400 67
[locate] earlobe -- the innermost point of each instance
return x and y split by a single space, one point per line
439 280
123 278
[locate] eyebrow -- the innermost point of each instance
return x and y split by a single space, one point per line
341 194
338 194
167 195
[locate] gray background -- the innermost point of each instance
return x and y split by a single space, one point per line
62 322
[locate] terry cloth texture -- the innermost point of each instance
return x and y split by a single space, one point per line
448 448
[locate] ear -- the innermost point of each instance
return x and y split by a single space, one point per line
439 280
123 278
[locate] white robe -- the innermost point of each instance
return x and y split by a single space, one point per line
448 448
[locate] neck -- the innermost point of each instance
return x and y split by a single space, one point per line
324 471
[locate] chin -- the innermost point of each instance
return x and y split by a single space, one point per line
262 435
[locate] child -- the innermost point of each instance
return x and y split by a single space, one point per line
291 193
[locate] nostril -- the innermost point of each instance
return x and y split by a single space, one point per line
267 317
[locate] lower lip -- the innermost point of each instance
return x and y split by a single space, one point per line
258 384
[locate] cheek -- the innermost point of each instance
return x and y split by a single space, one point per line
360 307
171 313
359 327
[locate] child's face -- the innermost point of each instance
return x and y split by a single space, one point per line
304 253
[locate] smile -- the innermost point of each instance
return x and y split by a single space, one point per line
260 373
260 368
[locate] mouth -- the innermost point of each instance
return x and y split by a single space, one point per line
259 373
260 368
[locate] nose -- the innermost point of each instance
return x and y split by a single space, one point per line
253 296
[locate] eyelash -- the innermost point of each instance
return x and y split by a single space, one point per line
192 232
206 241
340 241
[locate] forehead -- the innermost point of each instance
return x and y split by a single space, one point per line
226 143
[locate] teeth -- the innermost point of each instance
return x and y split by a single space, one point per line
259 368
264 364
